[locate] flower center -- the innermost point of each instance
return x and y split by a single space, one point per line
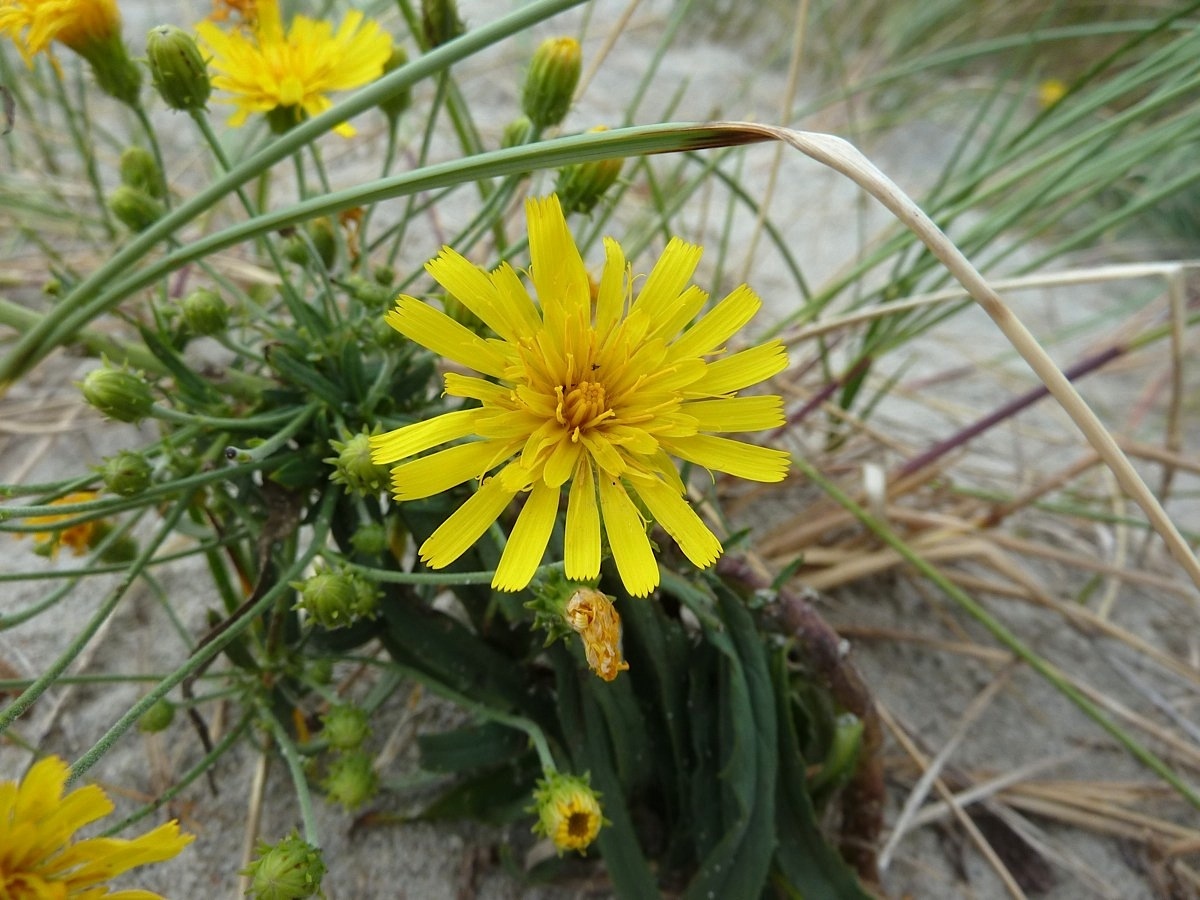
582 406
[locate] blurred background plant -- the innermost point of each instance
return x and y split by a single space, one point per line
226 284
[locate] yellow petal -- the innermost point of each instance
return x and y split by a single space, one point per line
556 267
718 325
732 457
436 331
680 521
735 414
582 550
751 366
420 436
527 543
627 537
690 303
666 281
562 461
443 470
614 289
471 286
468 386
515 302
467 523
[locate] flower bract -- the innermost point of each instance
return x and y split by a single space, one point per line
590 397
37 855
290 74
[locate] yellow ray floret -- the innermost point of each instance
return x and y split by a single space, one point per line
587 397
267 69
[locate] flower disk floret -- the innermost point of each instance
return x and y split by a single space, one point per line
594 396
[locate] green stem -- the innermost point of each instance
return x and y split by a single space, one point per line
291 756
200 658
1049 672
89 299
47 678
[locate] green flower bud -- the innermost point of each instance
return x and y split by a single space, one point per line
204 312
346 727
440 22
320 670
135 208
580 187
370 539
385 336
158 717
118 393
351 781
127 474
115 72
384 275
336 599
461 313
551 81
517 132
318 238
179 71
140 170
289 870
395 105
353 466
53 287
371 294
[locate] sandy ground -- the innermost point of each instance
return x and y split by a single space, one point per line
926 687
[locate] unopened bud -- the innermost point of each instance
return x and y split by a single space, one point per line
204 312
126 474
580 186
318 238
179 71
551 81
395 105
517 132
351 781
346 727
353 467
440 22
158 717
136 209
118 393
289 870
139 169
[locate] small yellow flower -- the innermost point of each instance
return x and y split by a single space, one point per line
78 24
594 618
287 76
597 396
37 856
568 811
1050 92
78 537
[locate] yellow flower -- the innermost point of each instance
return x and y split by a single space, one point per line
79 24
287 76
568 811
77 536
594 618
37 856
1050 92
595 395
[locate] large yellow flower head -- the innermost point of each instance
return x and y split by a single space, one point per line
288 76
597 396
78 24
37 856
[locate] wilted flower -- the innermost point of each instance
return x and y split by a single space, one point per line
594 395
79 536
593 617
